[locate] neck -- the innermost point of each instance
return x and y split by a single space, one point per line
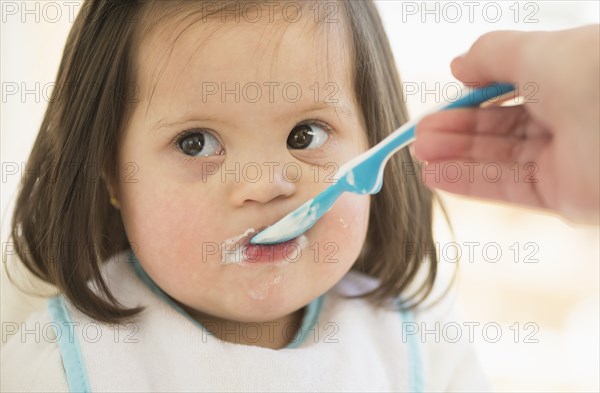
274 334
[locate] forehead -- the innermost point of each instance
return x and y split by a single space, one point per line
184 60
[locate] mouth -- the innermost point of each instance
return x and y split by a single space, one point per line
238 250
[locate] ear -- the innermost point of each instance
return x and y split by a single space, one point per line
110 184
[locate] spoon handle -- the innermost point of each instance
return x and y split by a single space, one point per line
406 134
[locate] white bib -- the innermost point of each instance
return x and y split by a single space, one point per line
343 345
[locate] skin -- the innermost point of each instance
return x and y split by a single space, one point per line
180 206
556 128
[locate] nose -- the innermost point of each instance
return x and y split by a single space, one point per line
261 182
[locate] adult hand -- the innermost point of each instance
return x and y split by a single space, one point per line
548 147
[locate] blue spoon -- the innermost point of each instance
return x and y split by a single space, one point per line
364 173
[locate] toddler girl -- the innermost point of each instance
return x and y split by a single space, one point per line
177 131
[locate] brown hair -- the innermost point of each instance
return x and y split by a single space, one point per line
61 204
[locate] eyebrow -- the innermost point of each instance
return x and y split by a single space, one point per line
338 107
163 124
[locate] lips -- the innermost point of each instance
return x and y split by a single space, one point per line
260 253
239 250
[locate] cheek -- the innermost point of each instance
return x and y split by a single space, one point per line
341 232
168 225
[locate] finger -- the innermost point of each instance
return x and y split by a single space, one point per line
443 146
494 57
488 180
490 133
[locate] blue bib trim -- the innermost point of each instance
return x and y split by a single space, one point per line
72 357
311 314
415 361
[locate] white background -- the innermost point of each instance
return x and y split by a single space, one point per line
558 294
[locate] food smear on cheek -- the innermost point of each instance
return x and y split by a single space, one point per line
260 287
232 249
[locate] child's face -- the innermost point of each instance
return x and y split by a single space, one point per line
257 158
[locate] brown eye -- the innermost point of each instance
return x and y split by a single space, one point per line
307 136
199 144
